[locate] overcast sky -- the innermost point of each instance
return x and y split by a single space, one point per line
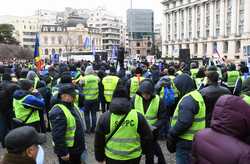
118 7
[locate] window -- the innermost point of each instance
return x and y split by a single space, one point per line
204 49
45 40
149 44
138 44
30 27
52 40
225 47
214 48
46 51
138 52
24 27
59 40
237 46
195 48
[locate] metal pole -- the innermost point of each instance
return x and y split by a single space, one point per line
131 27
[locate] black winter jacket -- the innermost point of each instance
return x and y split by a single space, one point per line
211 94
59 126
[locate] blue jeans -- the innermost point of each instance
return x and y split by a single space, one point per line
183 152
91 108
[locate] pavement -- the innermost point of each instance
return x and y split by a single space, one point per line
50 157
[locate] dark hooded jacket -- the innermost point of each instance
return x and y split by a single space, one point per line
211 93
224 141
188 106
147 86
120 106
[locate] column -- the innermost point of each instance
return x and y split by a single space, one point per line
222 18
171 26
164 35
202 21
211 19
246 17
185 23
234 23
194 24
178 25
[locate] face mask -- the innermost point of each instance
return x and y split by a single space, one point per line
40 155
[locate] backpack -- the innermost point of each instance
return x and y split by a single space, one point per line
169 96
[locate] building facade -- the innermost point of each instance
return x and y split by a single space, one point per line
110 26
25 29
211 28
59 39
140 24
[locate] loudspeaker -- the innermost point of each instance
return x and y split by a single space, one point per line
184 55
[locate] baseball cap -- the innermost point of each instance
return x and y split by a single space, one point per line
19 139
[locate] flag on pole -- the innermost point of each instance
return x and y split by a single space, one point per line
38 55
93 49
86 44
113 52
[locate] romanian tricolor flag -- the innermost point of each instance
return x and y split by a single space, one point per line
38 55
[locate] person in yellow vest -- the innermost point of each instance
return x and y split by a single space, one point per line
122 142
109 84
90 84
189 118
27 103
134 82
154 110
245 91
34 77
67 127
231 77
194 70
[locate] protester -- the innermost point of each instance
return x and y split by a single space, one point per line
90 83
224 142
189 118
26 104
212 92
131 138
109 85
7 89
67 127
154 110
24 146
245 91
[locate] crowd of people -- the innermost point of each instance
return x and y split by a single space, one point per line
202 112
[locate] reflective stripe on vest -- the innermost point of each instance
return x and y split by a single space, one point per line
71 125
90 89
151 114
22 113
199 119
134 85
36 82
198 82
194 72
246 99
232 77
125 143
109 84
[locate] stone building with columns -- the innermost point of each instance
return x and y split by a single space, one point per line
206 27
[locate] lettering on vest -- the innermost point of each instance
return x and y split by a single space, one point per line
130 123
